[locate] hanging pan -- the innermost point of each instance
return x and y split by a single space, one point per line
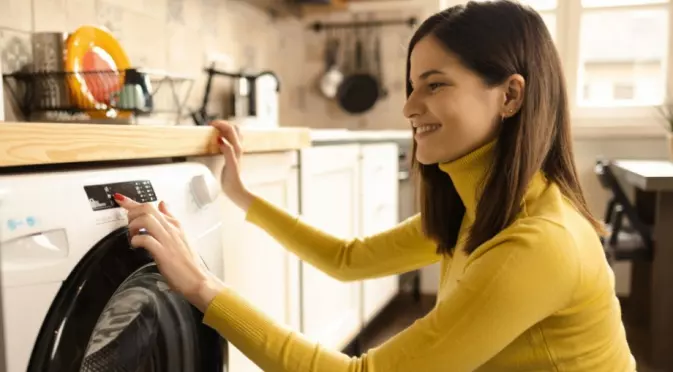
332 77
359 90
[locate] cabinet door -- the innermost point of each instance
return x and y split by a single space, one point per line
379 210
259 268
330 185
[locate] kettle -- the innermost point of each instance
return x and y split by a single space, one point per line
256 97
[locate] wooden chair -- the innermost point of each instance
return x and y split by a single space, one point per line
632 241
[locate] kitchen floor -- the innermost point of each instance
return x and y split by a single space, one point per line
404 310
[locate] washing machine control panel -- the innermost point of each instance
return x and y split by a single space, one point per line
101 196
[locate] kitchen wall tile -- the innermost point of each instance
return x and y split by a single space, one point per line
191 12
110 16
185 50
15 49
176 11
15 55
79 13
144 39
156 9
16 14
132 5
49 15
209 15
152 8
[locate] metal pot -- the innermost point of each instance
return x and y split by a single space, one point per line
332 77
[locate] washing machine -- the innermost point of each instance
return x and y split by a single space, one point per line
77 297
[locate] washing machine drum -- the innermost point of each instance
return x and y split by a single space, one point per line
116 313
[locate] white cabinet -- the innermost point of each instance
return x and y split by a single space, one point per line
379 211
330 190
346 190
255 265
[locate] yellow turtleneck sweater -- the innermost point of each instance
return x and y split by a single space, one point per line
537 297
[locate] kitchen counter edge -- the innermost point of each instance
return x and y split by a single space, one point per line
29 143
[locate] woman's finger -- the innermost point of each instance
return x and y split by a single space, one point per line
151 226
146 208
149 243
239 134
168 215
229 134
125 202
229 154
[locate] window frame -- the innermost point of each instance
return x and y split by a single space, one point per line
643 119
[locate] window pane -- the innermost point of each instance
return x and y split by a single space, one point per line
622 56
604 3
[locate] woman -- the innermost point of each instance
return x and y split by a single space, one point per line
525 285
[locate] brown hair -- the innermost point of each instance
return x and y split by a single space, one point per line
496 40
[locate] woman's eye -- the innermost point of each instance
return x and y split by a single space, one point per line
435 86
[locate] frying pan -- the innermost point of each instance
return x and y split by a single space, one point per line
359 90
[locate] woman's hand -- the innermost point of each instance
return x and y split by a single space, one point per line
160 234
230 145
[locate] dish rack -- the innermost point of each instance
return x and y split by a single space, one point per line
106 95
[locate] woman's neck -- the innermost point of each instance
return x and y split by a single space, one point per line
469 174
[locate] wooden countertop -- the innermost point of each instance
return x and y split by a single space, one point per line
27 143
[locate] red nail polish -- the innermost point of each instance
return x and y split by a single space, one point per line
118 197
220 140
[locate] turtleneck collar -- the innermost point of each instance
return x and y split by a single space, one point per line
469 172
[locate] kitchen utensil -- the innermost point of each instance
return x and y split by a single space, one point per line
130 97
265 99
49 56
332 78
97 61
256 95
379 66
360 90
135 77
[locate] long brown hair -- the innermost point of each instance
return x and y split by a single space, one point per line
496 40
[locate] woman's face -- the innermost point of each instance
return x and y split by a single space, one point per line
452 110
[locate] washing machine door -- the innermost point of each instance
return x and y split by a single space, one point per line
116 313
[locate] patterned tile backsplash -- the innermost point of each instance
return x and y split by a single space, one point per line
182 36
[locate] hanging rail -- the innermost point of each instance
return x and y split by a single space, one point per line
320 26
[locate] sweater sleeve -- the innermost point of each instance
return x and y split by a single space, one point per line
400 249
505 290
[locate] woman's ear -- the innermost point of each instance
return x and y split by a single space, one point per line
514 88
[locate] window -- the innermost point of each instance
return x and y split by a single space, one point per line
622 43
615 52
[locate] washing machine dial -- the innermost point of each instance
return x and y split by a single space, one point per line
204 189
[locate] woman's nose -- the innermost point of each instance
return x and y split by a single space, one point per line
412 107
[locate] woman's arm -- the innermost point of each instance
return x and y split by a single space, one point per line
506 290
402 248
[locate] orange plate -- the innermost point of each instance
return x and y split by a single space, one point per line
96 62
